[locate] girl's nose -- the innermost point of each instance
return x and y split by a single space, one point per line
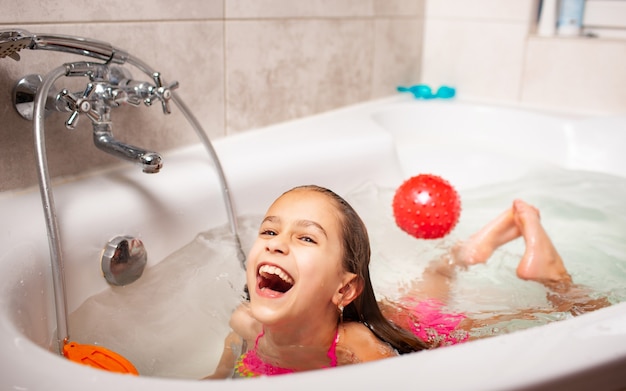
277 245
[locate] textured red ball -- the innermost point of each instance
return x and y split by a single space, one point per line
426 206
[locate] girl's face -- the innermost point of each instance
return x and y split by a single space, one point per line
294 270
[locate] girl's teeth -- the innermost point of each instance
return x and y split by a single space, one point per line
268 269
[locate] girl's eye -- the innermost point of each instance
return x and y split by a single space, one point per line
268 232
308 239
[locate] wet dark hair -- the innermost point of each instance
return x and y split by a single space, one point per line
356 259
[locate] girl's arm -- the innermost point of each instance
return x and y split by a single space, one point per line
226 365
242 322
245 329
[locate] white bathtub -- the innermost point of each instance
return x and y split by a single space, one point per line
382 142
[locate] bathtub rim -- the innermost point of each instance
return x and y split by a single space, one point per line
430 366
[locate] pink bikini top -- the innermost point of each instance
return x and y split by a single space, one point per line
250 364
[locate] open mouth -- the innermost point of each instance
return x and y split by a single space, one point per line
274 279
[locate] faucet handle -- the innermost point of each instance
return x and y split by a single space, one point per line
79 105
164 94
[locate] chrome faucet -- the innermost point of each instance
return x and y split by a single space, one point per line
109 87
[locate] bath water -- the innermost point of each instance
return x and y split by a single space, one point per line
173 320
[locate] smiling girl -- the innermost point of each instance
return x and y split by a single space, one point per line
312 304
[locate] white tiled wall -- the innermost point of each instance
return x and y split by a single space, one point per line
518 11
488 50
457 53
575 75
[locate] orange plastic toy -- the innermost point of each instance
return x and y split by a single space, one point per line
98 357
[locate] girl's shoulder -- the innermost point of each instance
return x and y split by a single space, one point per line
361 343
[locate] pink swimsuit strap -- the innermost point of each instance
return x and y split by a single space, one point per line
332 350
250 364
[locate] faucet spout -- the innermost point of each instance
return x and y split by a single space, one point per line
150 162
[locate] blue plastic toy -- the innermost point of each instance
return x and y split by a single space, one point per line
422 91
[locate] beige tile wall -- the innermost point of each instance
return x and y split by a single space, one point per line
73 152
241 64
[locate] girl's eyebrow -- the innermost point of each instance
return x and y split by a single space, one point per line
310 223
301 223
271 219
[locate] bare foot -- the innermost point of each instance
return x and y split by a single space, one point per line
479 247
541 261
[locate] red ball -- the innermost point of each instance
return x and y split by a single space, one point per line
426 207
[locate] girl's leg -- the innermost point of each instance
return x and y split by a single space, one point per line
541 262
479 247
439 274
